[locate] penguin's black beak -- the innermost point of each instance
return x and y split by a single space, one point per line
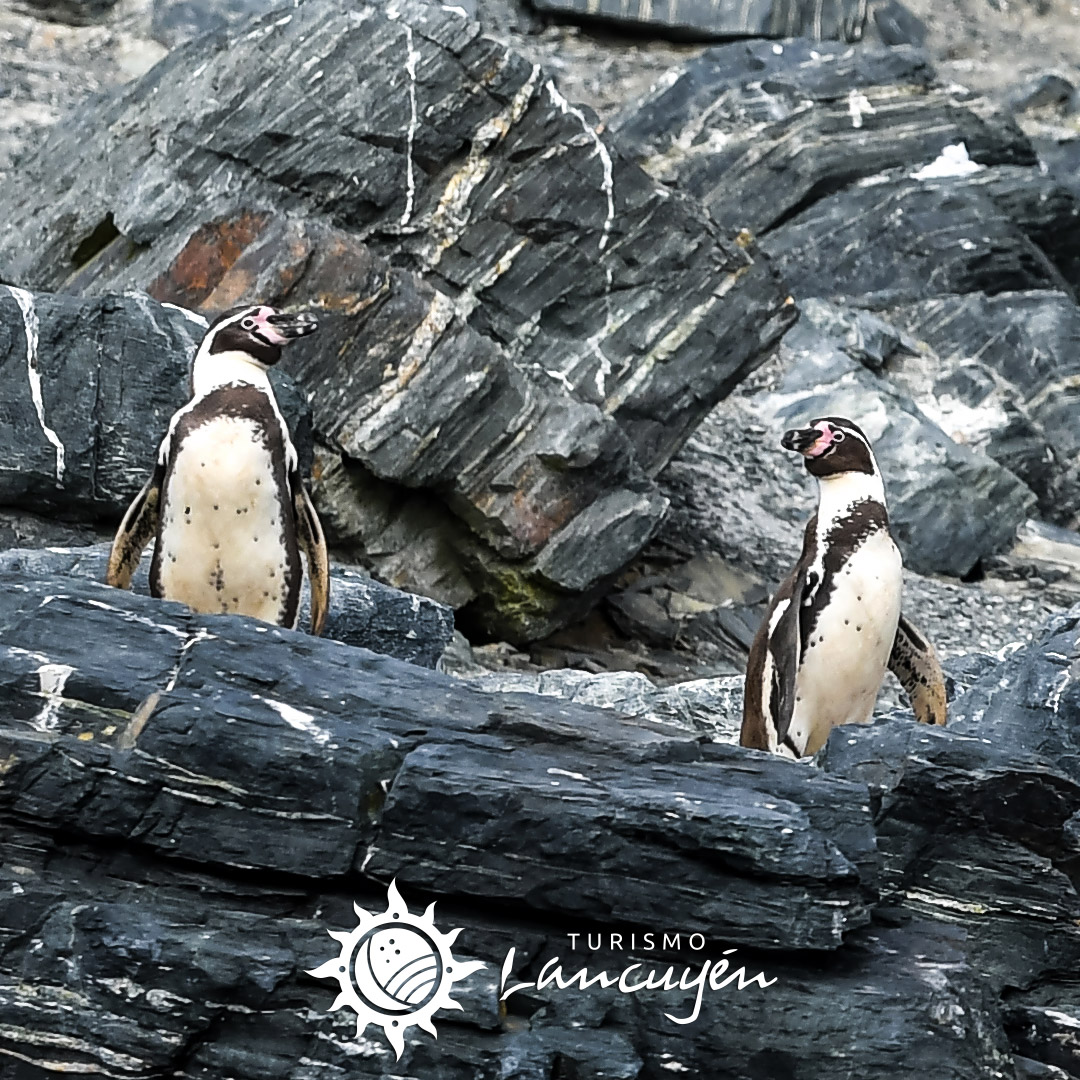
800 439
293 326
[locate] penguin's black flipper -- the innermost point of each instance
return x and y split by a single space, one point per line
138 528
915 663
313 544
786 647
769 692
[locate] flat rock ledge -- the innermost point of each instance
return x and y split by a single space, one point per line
175 789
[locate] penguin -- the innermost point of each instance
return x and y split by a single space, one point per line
226 504
835 624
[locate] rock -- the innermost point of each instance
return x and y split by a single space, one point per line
1050 1034
972 825
1047 91
702 128
669 598
19 528
49 68
891 243
1026 1069
821 145
896 25
1035 683
535 401
707 706
998 381
193 786
1047 555
89 387
175 21
362 612
1060 157
841 19
434 739
72 12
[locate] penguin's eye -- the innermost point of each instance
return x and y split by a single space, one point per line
838 436
248 324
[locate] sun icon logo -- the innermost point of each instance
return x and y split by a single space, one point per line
395 969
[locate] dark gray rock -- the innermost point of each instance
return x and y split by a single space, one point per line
464 769
88 387
907 240
19 528
789 124
708 706
820 143
624 293
1048 1033
1061 158
1047 91
362 612
896 25
173 22
972 824
176 788
841 19
1037 684
999 380
73 12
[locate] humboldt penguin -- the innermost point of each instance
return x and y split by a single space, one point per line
226 504
835 624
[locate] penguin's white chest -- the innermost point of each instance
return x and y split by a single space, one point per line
845 658
222 536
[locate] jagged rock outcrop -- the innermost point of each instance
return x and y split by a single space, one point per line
843 19
944 226
206 788
555 352
363 612
949 505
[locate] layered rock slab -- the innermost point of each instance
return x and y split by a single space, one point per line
242 709
843 19
363 612
193 782
448 152
529 326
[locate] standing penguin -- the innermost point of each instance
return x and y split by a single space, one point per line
835 624
226 503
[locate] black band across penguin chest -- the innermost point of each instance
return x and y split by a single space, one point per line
227 535
841 541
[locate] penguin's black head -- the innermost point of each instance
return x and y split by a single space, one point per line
831 445
258 331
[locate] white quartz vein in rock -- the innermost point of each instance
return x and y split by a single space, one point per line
411 56
608 183
30 325
52 679
299 720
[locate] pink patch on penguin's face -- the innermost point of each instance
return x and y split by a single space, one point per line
823 443
264 329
